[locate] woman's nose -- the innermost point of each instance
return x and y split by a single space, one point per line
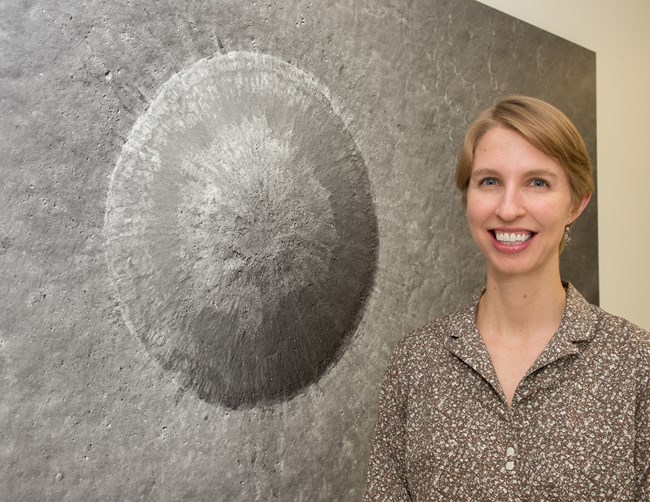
510 205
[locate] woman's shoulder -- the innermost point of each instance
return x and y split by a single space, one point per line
434 333
588 322
621 333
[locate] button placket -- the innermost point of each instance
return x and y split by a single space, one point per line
510 462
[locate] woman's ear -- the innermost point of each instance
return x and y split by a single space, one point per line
578 209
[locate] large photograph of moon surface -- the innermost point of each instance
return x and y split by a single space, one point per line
218 218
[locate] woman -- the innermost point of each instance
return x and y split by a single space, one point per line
527 392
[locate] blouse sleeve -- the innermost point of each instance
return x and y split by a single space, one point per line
386 479
642 437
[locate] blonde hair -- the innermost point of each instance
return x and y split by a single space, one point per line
543 126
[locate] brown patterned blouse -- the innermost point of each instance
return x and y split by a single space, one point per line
578 428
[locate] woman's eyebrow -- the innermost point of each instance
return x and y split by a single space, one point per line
542 173
532 173
484 171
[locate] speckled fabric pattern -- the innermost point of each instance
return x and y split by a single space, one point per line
578 428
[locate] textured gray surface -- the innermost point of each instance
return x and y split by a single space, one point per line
240 229
87 411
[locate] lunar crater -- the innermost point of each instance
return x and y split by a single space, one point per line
240 230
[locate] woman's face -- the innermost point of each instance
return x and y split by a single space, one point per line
518 204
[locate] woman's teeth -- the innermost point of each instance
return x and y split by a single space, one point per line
512 238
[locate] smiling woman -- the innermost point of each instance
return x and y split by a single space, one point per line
527 392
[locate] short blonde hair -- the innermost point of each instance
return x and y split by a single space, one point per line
543 126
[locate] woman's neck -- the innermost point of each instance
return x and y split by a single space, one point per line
517 317
522 307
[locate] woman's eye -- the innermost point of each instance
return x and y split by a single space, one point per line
489 182
539 183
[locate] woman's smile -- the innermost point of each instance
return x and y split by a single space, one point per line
512 241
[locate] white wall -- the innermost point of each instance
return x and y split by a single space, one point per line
618 33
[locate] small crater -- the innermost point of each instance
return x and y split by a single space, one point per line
5 244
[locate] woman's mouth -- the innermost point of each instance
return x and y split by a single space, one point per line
512 238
